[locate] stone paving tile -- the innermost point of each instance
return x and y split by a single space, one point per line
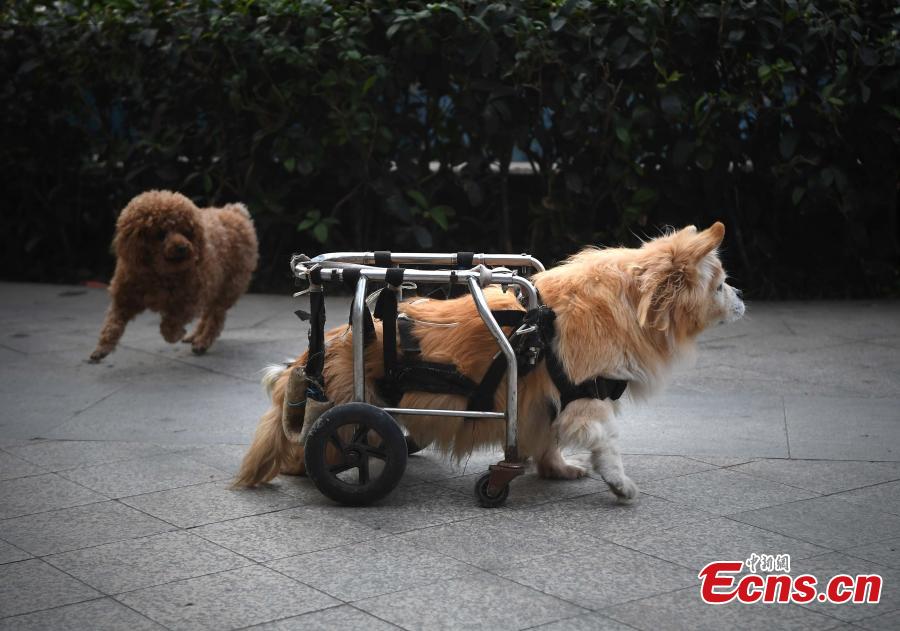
343 617
213 502
730 424
13 467
103 614
884 552
144 475
223 457
723 491
825 521
33 585
480 601
228 600
370 568
695 545
530 489
885 622
24 496
722 461
79 527
884 497
137 563
585 622
684 610
428 466
289 532
844 428
646 468
496 540
10 553
413 507
826 566
601 515
823 476
57 455
601 576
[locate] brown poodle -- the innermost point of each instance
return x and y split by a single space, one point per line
181 261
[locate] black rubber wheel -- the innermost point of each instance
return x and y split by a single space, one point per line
368 455
484 498
412 447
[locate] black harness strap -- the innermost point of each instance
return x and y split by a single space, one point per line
409 343
386 311
315 359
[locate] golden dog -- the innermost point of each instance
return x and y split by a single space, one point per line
621 313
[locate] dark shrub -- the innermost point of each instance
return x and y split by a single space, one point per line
370 125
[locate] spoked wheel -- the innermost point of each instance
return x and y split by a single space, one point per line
355 453
487 499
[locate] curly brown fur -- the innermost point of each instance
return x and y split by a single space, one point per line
180 261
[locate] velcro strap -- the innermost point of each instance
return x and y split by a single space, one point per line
394 276
351 276
315 276
464 260
382 258
409 343
508 317
482 399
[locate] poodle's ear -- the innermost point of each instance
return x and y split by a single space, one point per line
127 243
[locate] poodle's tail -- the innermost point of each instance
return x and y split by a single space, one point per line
270 452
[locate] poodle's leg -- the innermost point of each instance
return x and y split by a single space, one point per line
211 324
607 460
118 315
172 326
552 465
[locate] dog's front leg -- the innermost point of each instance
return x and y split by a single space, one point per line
119 314
172 326
589 423
607 460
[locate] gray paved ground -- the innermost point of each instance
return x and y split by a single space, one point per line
115 511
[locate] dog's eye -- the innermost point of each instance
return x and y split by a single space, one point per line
189 233
719 288
160 235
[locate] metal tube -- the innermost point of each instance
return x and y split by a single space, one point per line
444 258
359 343
512 372
457 413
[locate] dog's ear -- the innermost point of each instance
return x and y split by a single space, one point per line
658 281
706 241
127 242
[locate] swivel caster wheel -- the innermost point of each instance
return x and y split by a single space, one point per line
355 453
486 499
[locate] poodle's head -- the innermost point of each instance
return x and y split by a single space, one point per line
160 230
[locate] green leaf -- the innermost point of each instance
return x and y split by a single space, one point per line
622 134
439 214
320 232
797 194
418 198
368 84
289 164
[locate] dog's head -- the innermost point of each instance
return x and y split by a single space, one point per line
161 230
681 283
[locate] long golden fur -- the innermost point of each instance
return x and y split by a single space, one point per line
621 313
180 261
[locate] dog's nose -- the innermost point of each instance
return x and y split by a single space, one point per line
180 249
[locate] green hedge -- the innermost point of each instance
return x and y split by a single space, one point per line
779 117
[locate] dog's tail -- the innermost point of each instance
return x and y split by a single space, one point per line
270 451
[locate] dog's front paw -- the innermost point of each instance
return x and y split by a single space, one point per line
198 349
624 488
97 355
189 339
172 334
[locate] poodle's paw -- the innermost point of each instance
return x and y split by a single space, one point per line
97 355
624 488
189 339
198 349
562 470
172 334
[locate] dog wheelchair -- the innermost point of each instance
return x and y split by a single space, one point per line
356 452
